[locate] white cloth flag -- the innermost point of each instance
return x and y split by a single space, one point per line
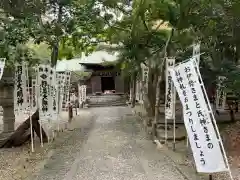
20 89
60 83
145 72
84 96
43 92
221 95
197 119
137 90
34 95
53 105
80 94
141 92
2 65
67 87
170 91
196 52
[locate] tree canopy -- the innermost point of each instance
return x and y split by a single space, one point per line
143 29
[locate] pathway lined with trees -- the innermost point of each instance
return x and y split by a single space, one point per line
111 145
144 32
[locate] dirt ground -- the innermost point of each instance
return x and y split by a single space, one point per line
18 163
231 139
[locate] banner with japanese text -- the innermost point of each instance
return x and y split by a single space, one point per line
221 94
80 98
2 65
60 89
67 85
34 95
84 91
43 82
145 72
20 89
138 90
196 52
53 98
170 91
198 119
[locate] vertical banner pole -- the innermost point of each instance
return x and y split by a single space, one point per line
174 118
60 91
52 74
210 177
74 99
166 99
48 102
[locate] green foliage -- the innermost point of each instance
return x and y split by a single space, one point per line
147 31
14 33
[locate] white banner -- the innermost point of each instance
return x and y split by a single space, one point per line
84 96
53 95
170 93
43 92
137 90
20 90
34 95
145 71
80 94
2 65
67 88
196 52
221 95
141 92
206 144
60 91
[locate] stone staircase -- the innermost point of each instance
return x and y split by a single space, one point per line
106 100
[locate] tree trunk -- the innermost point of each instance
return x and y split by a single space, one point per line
151 93
55 46
157 104
134 78
22 133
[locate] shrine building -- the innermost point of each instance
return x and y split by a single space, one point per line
104 79
103 75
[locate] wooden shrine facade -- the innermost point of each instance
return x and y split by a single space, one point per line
104 79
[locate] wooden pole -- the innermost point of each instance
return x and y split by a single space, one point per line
210 177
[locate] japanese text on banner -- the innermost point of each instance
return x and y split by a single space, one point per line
202 136
170 91
221 94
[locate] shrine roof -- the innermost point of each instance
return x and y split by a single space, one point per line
96 59
99 58
70 65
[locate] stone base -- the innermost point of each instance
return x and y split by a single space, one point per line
180 134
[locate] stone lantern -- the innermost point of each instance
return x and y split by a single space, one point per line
7 102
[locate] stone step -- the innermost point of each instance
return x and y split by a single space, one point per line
115 101
107 104
110 102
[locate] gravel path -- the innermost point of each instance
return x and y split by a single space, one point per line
110 146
